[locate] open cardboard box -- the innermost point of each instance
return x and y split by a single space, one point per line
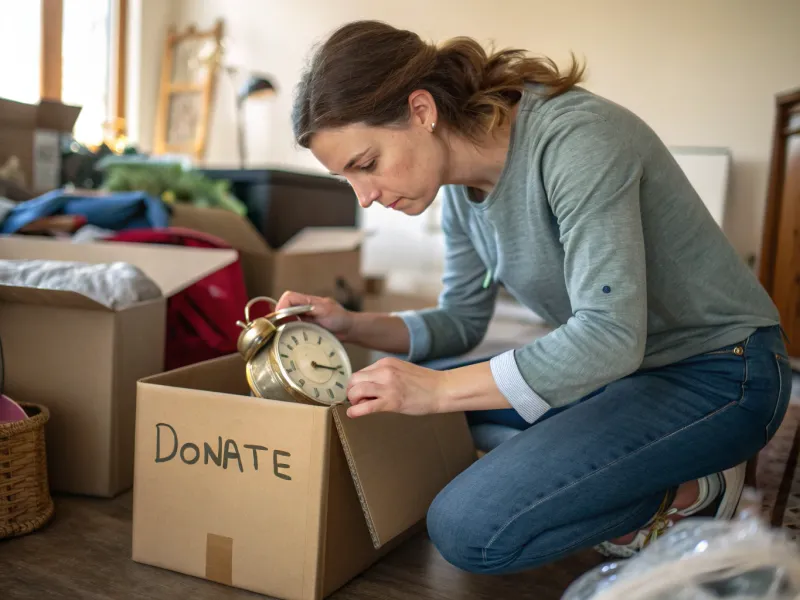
32 133
283 499
310 262
82 360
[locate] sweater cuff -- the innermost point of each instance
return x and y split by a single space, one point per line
511 384
418 333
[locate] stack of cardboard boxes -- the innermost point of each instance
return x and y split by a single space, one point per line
284 499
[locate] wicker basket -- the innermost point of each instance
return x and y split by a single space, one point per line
25 501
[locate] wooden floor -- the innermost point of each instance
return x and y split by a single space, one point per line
84 553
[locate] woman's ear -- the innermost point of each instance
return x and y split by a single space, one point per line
422 109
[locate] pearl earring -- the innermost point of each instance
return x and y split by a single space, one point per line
433 126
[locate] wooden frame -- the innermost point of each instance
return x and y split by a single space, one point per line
769 241
51 60
170 89
51 55
786 104
121 53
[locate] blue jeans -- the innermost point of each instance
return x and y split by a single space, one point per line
598 468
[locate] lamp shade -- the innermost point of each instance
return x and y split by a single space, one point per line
254 86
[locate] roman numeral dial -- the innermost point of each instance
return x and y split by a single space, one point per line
314 363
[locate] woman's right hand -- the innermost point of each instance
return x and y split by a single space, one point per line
327 313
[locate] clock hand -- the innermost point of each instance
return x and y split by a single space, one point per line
316 365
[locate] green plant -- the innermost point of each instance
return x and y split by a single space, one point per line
173 184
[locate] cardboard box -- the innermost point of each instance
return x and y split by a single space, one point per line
283 499
82 360
33 133
310 262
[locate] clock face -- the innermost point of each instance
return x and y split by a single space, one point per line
313 362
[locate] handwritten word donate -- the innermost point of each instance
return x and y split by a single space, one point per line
221 455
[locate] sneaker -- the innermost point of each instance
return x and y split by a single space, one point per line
723 488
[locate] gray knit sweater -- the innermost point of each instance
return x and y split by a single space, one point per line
594 227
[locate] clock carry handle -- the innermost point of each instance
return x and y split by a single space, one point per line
276 316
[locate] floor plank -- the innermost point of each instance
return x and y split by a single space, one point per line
84 553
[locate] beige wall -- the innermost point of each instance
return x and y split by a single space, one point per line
148 22
701 72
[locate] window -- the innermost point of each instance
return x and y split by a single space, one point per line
20 49
89 31
85 75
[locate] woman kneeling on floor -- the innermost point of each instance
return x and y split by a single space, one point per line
666 368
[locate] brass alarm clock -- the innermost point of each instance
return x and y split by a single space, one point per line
294 361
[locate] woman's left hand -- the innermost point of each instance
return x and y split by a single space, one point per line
394 385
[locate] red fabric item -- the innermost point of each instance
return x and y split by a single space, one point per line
201 319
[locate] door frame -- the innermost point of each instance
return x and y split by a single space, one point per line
785 104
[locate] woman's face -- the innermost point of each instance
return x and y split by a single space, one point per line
400 167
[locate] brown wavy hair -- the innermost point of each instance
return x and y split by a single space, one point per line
366 70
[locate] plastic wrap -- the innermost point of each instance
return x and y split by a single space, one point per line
703 559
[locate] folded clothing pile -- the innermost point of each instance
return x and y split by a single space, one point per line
115 285
62 212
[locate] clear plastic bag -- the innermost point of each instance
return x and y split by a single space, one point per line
703 559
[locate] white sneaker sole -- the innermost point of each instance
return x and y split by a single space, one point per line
728 504
734 486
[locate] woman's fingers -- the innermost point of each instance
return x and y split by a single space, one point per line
372 374
286 300
371 391
295 299
367 390
366 408
381 369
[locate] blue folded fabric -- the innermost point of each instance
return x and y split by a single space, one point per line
117 211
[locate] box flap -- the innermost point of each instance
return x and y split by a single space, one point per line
41 297
171 268
224 224
400 463
17 114
56 116
313 240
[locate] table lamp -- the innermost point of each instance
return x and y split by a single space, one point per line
255 85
